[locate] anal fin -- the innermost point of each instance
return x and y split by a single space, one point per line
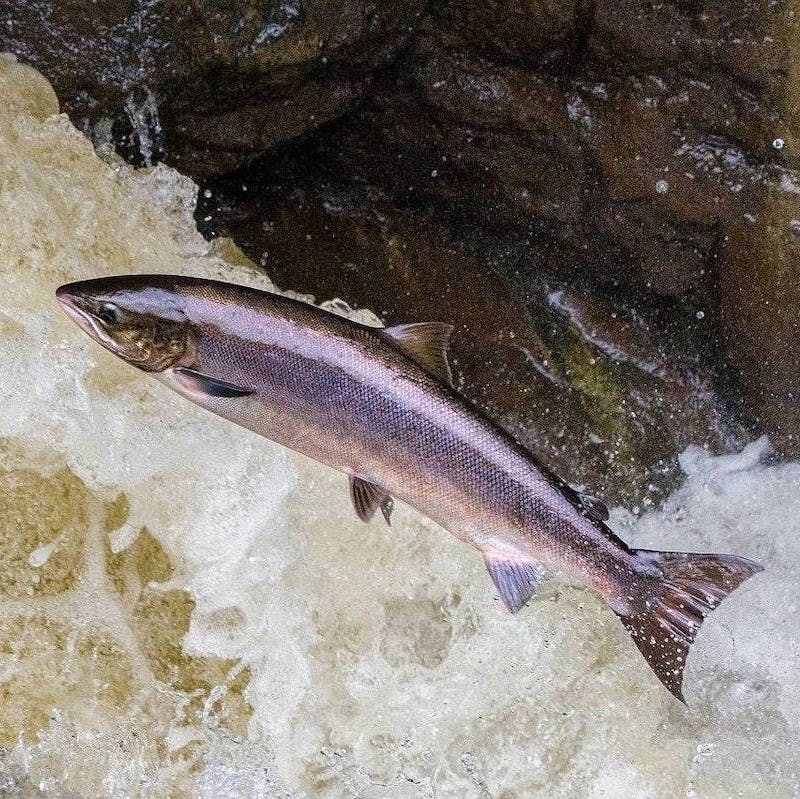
367 498
516 580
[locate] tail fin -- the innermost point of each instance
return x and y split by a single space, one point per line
673 606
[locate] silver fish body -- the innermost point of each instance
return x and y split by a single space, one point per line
376 405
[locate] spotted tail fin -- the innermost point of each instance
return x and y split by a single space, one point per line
674 605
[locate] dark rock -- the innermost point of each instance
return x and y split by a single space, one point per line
760 301
587 382
209 84
742 39
514 29
625 178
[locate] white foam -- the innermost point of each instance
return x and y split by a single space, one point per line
382 662
41 555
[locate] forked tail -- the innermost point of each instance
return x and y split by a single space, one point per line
672 607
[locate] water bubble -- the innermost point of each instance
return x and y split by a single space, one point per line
778 144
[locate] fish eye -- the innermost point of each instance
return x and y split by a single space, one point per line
108 313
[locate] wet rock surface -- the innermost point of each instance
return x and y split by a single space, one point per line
206 85
457 158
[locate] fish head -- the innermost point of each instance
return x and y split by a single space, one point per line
140 318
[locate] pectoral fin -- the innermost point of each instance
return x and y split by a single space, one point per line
197 383
426 343
516 580
367 498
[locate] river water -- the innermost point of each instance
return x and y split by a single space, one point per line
186 609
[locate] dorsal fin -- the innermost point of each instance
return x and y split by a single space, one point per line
367 498
426 343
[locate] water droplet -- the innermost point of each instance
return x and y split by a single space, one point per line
141 106
778 144
662 187
700 315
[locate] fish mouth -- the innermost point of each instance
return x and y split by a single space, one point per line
71 303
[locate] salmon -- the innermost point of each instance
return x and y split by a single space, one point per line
378 404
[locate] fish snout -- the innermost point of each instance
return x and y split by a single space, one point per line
65 297
70 300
